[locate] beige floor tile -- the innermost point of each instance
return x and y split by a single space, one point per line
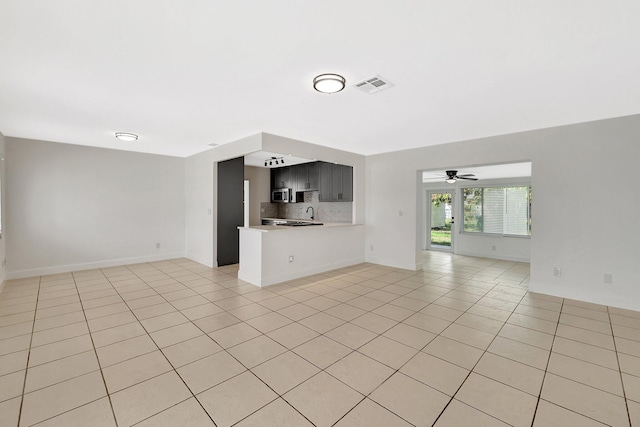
12 345
256 351
117 333
200 311
61 370
388 352
586 373
410 335
534 323
363 303
480 323
11 385
470 336
268 322
323 399
585 323
550 415
634 412
105 310
601 316
163 321
111 321
150 311
453 351
143 400
145 302
187 414
394 312
276 303
369 414
14 319
135 370
527 336
249 311
586 352
175 334
191 350
321 322
512 373
626 346
210 371
292 335
10 410
413 401
284 372
374 322
429 323
95 414
276 414
57 310
626 332
631 387
57 321
437 373
214 322
56 399
459 414
322 351
351 335
123 350
629 364
236 398
539 313
13 362
58 334
586 336
234 334
520 352
601 406
360 372
59 349
498 400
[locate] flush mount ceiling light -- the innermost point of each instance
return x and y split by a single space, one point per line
329 83
124 136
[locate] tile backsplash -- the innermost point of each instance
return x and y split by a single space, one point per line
324 211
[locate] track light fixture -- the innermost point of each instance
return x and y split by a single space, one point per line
270 160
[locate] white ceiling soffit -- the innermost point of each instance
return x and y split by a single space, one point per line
257 159
511 170
185 74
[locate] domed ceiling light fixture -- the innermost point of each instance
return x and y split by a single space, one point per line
124 136
329 83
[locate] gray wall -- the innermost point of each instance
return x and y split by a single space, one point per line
3 238
72 207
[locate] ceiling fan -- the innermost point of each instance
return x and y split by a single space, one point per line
452 176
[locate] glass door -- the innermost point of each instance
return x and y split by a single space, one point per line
440 221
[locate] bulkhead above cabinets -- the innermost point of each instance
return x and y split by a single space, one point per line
334 182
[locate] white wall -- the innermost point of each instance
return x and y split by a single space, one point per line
259 191
71 207
3 237
584 209
201 185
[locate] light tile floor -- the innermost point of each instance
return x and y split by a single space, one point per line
175 343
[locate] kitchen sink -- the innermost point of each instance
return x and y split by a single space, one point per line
300 223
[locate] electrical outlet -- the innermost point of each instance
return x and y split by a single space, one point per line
557 272
400 213
290 258
493 248
608 278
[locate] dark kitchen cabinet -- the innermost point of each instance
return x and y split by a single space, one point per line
306 177
336 183
281 177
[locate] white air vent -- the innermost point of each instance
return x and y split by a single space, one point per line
373 84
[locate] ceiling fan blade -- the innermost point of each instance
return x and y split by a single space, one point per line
468 178
466 174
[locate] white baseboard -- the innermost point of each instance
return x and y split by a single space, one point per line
493 256
19 274
587 296
272 280
394 263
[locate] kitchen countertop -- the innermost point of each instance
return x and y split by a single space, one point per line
267 228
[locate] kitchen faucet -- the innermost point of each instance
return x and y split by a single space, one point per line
312 211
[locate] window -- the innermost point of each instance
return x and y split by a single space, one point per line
497 210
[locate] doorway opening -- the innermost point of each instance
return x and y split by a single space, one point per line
440 221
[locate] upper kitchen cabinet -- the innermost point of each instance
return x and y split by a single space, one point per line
281 178
336 183
306 176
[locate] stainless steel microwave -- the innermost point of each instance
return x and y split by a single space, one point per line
281 195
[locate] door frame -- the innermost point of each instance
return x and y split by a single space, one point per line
428 192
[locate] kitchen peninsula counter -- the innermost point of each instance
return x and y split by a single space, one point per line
272 254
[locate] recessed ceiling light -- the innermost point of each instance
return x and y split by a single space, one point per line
329 83
124 136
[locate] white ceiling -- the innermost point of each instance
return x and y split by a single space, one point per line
183 74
